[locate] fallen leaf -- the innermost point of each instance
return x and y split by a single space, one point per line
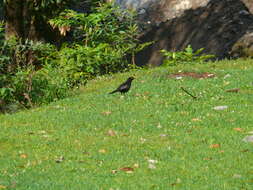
136 165
106 113
196 119
152 163
236 90
111 133
238 129
102 151
208 158
215 146
60 159
23 155
114 171
127 169
227 75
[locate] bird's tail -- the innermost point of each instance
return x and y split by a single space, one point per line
113 92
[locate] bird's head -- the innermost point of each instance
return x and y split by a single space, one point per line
131 78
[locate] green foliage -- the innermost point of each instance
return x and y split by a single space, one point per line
1 28
187 56
106 24
36 72
25 75
101 43
81 63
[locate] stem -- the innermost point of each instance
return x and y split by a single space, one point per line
194 97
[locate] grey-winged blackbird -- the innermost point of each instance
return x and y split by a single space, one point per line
124 87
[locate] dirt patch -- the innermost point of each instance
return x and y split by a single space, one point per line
192 74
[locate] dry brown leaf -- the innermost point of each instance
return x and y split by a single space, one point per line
23 156
63 30
238 129
106 113
127 169
114 171
236 90
215 146
196 119
111 133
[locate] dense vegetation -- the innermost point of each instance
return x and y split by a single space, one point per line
98 42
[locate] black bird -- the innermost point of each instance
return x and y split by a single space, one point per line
124 87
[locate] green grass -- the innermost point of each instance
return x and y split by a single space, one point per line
154 121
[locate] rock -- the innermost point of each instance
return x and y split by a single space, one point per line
243 47
248 139
221 27
220 107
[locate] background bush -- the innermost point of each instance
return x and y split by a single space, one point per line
99 43
187 56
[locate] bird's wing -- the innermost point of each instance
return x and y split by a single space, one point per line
123 86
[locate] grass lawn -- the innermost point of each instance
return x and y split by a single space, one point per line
154 137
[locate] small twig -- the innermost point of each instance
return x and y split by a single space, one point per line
189 93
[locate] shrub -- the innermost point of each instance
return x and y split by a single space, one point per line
26 77
32 73
101 42
187 56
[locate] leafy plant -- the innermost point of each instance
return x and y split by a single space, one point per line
101 42
187 56
25 75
